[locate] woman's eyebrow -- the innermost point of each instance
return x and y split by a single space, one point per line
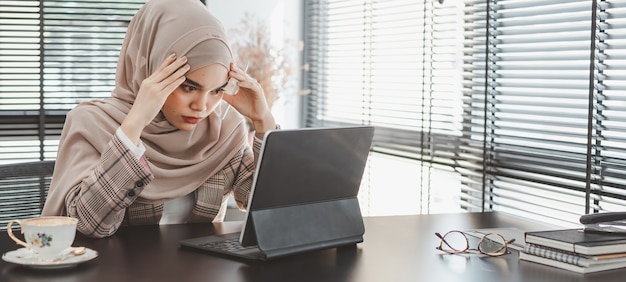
193 83
198 85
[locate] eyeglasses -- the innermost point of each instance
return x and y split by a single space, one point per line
456 242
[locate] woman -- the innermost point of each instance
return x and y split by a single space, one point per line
164 148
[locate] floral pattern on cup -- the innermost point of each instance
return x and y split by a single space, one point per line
41 241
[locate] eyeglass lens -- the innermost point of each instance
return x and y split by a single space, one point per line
492 244
454 242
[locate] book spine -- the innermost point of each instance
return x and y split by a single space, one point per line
558 255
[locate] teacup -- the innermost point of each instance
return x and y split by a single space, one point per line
46 236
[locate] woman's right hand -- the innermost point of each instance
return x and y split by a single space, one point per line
152 94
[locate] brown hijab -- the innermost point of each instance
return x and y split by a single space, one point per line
180 160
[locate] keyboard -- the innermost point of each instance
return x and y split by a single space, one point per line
229 245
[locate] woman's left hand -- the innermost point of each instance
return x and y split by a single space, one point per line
250 100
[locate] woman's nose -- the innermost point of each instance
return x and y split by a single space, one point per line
200 104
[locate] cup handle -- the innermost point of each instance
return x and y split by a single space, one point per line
10 231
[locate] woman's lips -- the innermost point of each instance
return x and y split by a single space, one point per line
191 120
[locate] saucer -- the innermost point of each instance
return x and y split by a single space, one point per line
25 257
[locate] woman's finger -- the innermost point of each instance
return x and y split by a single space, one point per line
239 75
169 88
248 84
168 60
179 74
169 67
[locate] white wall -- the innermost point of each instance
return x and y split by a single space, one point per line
284 17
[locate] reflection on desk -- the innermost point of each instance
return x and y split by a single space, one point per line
395 248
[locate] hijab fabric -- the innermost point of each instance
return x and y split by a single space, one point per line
180 160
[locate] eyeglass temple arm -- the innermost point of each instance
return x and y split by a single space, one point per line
443 240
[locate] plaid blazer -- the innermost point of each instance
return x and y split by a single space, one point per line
107 198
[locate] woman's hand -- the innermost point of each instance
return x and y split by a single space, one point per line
250 100
152 94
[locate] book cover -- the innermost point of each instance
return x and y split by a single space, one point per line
571 257
571 267
578 241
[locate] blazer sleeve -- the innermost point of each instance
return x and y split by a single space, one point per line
100 200
242 183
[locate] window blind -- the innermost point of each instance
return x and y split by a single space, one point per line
372 57
534 98
53 55
520 102
395 65
556 129
608 124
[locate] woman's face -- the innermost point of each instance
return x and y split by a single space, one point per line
196 98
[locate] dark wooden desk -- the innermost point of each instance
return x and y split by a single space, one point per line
397 248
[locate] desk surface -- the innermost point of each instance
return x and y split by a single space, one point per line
396 248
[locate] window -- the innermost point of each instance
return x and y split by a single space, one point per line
557 129
515 106
53 55
397 65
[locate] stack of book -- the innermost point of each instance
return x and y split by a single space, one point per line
576 249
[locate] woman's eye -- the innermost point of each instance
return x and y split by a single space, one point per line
217 91
188 88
